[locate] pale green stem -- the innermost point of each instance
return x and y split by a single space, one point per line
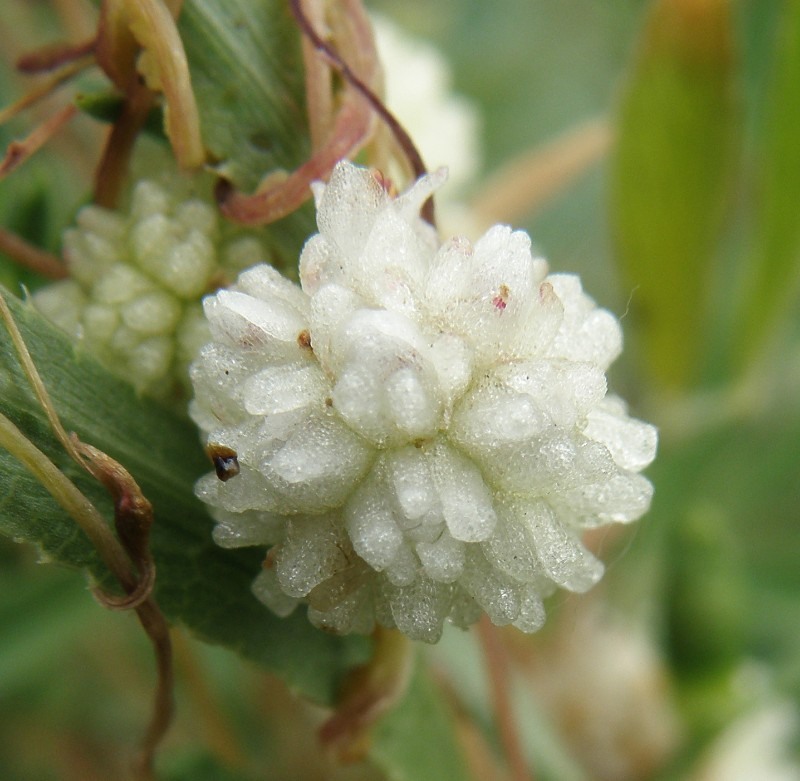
69 498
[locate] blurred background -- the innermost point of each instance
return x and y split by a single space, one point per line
653 147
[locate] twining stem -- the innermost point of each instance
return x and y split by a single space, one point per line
31 257
70 498
369 692
497 666
118 558
378 106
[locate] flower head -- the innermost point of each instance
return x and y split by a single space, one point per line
137 277
422 429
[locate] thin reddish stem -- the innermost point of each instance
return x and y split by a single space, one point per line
19 151
498 669
379 107
31 257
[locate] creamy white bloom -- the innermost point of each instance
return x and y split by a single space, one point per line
419 91
137 276
422 429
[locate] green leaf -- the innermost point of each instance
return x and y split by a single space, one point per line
416 741
773 278
106 106
670 177
247 74
199 585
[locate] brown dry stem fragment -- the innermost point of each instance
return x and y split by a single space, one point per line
112 169
27 255
133 519
363 88
48 58
19 151
369 692
400 134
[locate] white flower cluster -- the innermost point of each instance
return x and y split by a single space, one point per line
422 430
136 280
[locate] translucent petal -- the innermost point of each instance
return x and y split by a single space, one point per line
495 592
466 501
411 480
587 333
314 550
419 609
563 390
565 560
512 547
319 465
252 324
267 589
493 415
240 530
531 614
371 525
347 208
632 442
279 389
443 559
267 283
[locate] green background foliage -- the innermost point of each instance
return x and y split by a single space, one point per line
689 227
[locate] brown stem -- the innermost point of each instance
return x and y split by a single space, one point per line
369 692
51 57
497 666
282 198
112 169
19 151
403 138
27 255
155 626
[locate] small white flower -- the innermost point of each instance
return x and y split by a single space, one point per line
422 430
137 277
418 86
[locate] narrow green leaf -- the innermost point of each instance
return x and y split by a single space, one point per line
774 266
416 741
199 585
670 176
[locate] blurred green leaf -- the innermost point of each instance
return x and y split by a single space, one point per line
106 106
670 176
416 741
199 584
773 279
